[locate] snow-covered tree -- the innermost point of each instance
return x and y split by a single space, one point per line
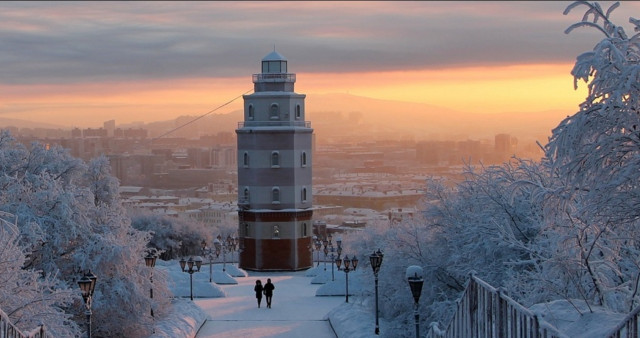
490 222
71 221
598 148
26 296
174 237
596 152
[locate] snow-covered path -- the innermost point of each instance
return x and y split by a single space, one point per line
295 311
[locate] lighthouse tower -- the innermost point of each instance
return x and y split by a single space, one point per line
274 173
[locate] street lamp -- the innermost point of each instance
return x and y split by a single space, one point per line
220 247
87 285
326 252
208 252
150 261
314 239
333 257
189 269
415 278
376 261
349 265
318 247
234 246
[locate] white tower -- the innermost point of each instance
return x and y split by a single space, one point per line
274 173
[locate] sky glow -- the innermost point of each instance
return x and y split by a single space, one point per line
77 62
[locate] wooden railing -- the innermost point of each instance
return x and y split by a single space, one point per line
484 311
8 330
628 327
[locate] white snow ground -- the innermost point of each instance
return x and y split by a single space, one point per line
299 308
303 308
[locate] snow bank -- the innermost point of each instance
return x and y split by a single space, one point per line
179 282
575 319
337 287
184 320
351 320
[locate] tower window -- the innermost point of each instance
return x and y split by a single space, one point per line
246 195
274 66
251 112
275 159
276 231
303 195
274 111
304 229
303 159
298 112
245 159
275 195
246 229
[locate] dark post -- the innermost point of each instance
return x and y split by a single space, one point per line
414 277
376 262
150 261
190 269
87 285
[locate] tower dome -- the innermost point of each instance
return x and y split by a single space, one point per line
274 56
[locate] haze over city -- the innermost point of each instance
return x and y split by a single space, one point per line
78 64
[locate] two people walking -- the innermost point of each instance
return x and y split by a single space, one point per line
267 290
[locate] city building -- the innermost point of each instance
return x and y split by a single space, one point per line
274 173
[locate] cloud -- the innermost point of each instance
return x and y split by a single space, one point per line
85 42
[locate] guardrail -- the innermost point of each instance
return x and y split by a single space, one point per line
274 77
8 330
628 327
484 311
305 124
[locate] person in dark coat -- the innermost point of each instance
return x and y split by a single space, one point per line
258 289
268 291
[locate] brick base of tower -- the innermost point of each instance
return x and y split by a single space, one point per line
276 254
290 250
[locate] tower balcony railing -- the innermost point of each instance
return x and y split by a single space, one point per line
274 77
305 124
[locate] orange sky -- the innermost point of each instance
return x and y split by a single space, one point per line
522 88
82 63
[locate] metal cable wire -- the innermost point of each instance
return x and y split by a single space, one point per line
201 116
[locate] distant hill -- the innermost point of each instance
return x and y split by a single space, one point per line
344 116
8 122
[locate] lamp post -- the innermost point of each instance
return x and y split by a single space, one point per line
326 252
220 247
190 269
150 261
318 247
234 247
349 265
314 239
87 285
415 278
333 257
208 252
376 261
